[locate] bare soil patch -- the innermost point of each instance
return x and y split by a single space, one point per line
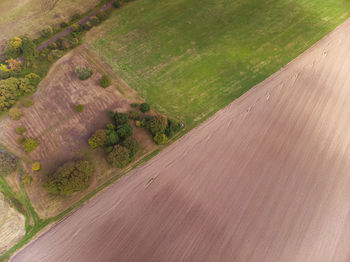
265 179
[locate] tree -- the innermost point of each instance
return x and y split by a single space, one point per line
132 144
71 177
14 64
98 139
119 157
84 73
144 107
94 20
120 118
160 139
124 131
105 81
157 124
7 163
30 145
112 136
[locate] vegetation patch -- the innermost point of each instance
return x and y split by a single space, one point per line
8 163
69 178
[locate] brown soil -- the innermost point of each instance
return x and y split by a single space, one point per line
265 179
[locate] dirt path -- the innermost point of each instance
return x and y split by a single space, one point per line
69 29
265 179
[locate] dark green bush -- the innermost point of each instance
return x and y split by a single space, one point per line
160 139
30 145
132 144
84 73
71 177
119 157
116 3
98 139
172 128
7 163
157 124
101 15
105 81
63 25
124 131
120 118
112 136
94 20
144 107
75 18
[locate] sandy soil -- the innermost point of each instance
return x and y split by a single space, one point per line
12 225
265 179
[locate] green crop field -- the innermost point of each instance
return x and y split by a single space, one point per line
190 58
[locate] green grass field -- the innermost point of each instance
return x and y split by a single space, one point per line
190 58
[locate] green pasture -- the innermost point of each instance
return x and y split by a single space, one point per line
190 58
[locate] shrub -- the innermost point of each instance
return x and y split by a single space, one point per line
76 27
14 64
4 74
144 107
15 113
71 177
65 44
26 179
124 131
30 145
33 79
172 128
120 118
119 157
160 139
105 81
94 20
21 140
80 108
116 3
98 139
28 48
132 144
21 130
134 105
13 48
138 123
101 16
83 73
7 163
46 31
36 166
63 25
157 124
27 102
75 17
135 115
